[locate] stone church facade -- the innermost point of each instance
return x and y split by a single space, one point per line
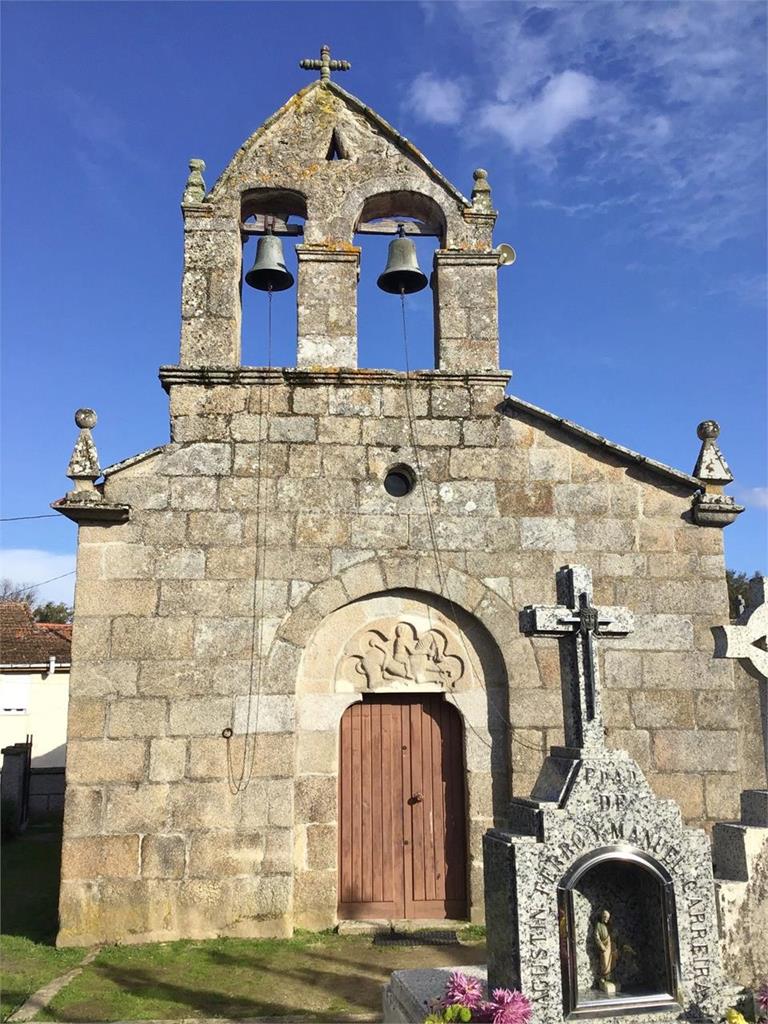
296 696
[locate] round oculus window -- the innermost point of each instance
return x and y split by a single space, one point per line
399 481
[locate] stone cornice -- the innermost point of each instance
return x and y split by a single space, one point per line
467 257
228 376
90 513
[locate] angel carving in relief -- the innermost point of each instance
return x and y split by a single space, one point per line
404 656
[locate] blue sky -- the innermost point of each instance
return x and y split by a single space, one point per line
625 144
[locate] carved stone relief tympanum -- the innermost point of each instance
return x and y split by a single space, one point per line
393 654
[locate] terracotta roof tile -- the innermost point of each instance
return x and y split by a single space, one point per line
26 642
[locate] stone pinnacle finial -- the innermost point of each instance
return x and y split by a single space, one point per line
194 190
710 465
325 65
481 186
712 507
86 419
481 194
83 468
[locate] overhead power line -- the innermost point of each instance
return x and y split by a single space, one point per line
34 586
16 519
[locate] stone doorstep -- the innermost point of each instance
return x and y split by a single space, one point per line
397 926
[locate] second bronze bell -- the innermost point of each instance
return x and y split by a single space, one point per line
402 272
269 272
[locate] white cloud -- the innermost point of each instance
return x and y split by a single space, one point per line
662 100
101 137
436 100
749 289
576 209
565 99
33 565
754 497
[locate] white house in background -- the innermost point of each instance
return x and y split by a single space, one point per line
34 684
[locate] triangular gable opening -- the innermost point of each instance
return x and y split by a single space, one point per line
336 149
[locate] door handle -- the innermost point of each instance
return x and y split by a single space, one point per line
417 798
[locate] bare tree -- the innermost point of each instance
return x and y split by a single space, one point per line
11 591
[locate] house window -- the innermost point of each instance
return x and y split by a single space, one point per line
14 696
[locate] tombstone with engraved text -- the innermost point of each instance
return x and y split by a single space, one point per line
599 901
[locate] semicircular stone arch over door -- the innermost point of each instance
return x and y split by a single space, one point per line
402 810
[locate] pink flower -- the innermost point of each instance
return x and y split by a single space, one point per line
509 1007
762 996
463 991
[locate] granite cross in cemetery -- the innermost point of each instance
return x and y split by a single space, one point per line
598 899
747 638
579 624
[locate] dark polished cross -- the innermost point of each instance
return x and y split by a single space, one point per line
325 65
578 619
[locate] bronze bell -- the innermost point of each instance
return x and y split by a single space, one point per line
269 272
402 272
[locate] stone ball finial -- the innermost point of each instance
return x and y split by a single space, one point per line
85 418
708 429
194 190
481 191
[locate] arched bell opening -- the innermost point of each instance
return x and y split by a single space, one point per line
280 214
420 220
618 934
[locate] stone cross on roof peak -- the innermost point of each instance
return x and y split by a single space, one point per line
325 65
577 620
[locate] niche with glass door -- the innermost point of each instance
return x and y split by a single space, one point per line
618 934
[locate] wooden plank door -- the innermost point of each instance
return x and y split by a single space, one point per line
402 824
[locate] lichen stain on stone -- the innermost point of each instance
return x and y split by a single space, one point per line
307 172
340 245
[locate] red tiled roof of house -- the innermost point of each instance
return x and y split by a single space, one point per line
62 629
26 642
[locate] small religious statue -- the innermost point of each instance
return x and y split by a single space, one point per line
608 953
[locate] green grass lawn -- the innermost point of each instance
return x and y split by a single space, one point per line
321 977
30 891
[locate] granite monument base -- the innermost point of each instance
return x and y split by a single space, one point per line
599 901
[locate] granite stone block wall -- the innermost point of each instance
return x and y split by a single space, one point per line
157 844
